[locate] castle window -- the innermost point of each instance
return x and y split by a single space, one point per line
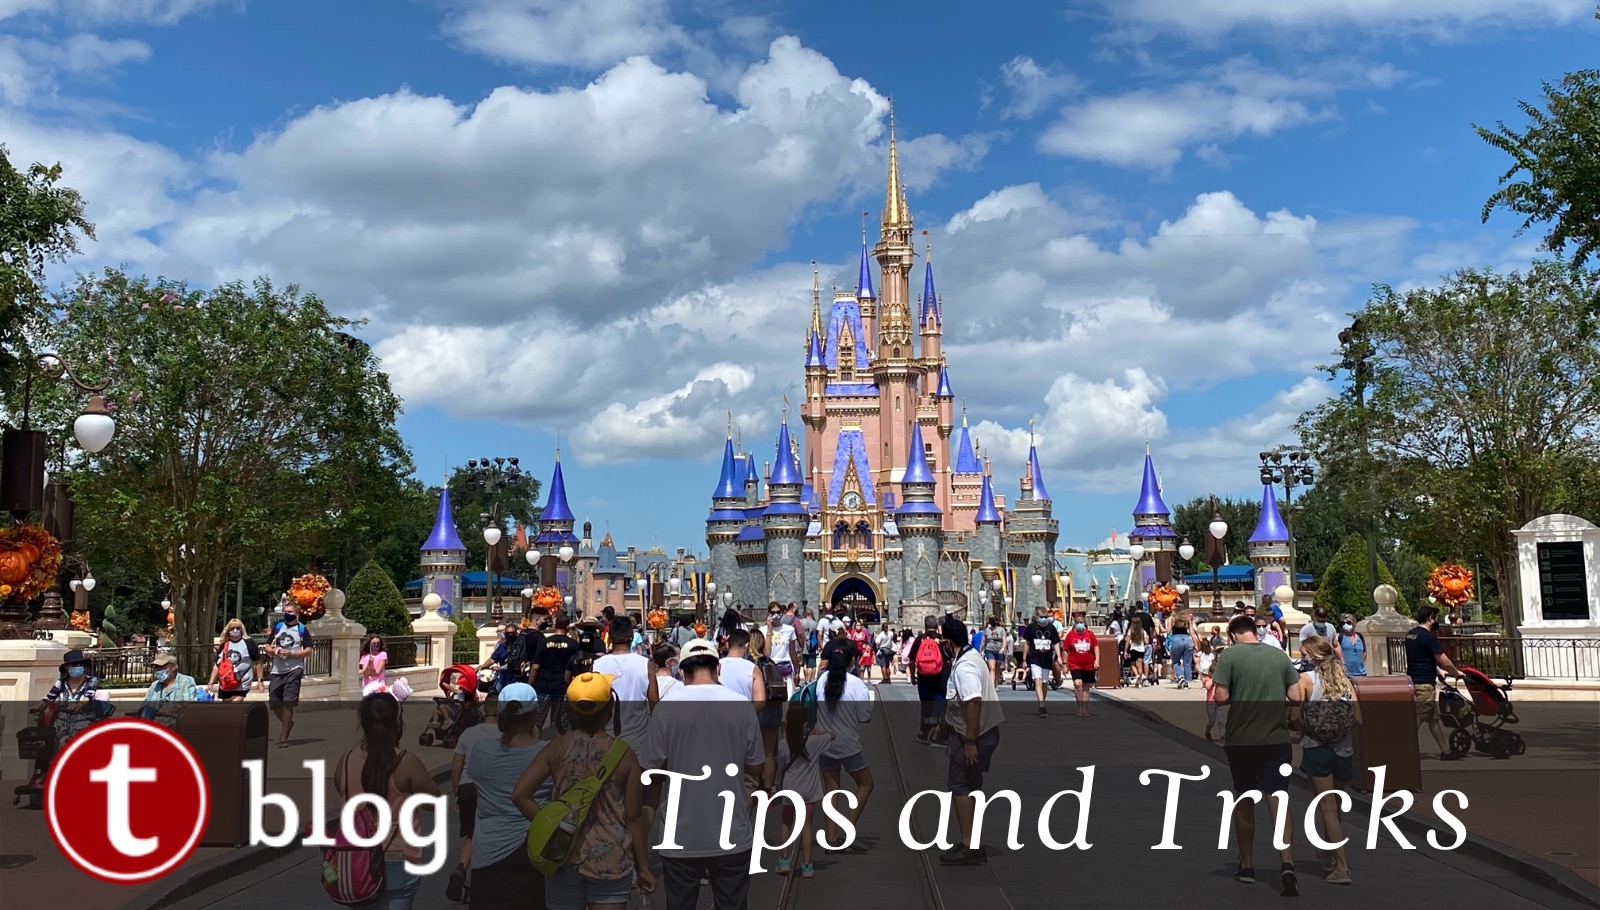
847 374
897 353
897 398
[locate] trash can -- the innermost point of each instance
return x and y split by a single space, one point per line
1387 734
1110 674
225 735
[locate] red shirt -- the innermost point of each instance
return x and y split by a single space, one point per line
1080 648
863 641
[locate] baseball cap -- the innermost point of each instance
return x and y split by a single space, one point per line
163 660
589 692
697 648
521 693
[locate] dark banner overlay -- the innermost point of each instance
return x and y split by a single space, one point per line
1128 806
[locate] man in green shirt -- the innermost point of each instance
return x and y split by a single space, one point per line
1259 685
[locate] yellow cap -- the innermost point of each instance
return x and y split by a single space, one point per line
589 692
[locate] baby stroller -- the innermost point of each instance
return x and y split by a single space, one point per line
40 742
1019 670
1481 720
456 709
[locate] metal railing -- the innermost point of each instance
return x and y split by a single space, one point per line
406 651
1504 657
129 668
462 652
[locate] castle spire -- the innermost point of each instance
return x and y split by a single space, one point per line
930 299
816 301
895 212
864 281
556 509
787 469
1150 501
444 536
966 457
987 513
1271 528
917 483
1036 476
728 487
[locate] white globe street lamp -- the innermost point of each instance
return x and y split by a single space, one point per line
94 427
76 584
727 598
533 557
88 582
998 585
491 536
674 586
1218 528
1183 587
1186 550
166 604
527 593
1136 552
566 554
1038 580
568 601
711 588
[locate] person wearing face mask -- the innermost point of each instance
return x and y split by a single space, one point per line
1044 655
169 684
1352 647
1083 659
373 664
238 665
291 645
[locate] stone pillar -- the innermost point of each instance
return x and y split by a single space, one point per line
1380 627
488 639
345 638
28 667
442 635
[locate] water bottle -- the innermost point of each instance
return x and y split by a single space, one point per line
330 874
559 847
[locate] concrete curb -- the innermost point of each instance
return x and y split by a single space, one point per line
192 881
1531 869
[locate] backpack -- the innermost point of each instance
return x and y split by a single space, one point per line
777 688
805 699
554 831
930 657
1329 721
351 875
227 679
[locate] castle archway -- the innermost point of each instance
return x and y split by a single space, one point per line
856 596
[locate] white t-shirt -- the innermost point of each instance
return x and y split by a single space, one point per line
884 639
970 678
632 685
665 684
1203 662
844 718
739 675
688 735
804 777
471 737
782 637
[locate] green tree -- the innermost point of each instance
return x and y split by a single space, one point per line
41 222
248 426
1193 520
469 503
1343 587
1557 157
373 601
1483 412
466 640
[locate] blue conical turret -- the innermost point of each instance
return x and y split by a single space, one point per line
987 513
728 485
917 484
814 351
966 459
1271 528
1036 475
786 471
944 383
930 300
1150 502
917 469
556 508
444 536
864 282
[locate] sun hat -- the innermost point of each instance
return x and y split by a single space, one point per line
697 648
518 694
589 692
75 656
164 659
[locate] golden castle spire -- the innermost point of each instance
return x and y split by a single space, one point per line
896 214
816 302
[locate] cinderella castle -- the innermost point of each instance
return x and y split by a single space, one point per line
865 506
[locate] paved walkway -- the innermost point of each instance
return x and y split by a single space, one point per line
1545 803
31 867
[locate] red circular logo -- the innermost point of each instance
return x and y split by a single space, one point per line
127 801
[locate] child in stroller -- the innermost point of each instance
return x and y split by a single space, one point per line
1481 720
456 709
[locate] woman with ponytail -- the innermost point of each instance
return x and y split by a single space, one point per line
1329 715
846 704
379 766
502 875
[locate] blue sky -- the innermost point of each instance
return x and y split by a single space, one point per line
598 219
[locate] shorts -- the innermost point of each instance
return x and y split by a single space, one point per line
570 889
1036 672
811 660
284 689
1084 676
991 657
849 764
467 808
788 812
1427 699
1259 767
771 715
1322 761
963 780
885 657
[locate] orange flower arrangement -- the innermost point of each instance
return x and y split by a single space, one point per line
700 629
1164 596
30 560
547 599
658 619
1450 584
306 591
79 621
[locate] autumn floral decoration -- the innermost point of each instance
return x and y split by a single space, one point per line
1450 584
306 592
30 560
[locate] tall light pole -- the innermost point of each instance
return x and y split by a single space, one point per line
1216 554
1185 553
493 477
1357 348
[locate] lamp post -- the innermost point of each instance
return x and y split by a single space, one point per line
565 554
493 477
1216 554
1185 553
1358 351
1292 469
1136 552
711 596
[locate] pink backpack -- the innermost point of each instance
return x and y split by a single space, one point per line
351 875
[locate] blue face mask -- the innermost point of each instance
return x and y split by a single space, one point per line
1077 627
161 676
75 672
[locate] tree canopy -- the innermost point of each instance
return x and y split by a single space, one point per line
1193 520
1343 587
373 600
41 221
1554 177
